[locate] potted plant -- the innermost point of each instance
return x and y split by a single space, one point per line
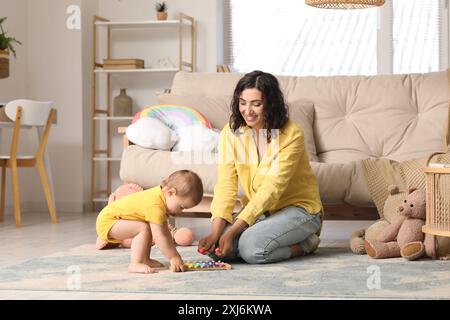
161 10
6 46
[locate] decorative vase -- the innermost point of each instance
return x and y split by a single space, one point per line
161 15
4 64
123 104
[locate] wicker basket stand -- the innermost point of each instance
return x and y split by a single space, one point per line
437 200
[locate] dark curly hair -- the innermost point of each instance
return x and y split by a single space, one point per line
275 109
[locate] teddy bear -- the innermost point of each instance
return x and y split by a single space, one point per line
395 197
404 236
181 236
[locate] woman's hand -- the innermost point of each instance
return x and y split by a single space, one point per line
177 264
226 241
208 244
225 244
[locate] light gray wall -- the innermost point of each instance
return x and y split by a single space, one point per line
16 26
55 73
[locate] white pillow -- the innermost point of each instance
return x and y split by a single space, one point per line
197 138
151 133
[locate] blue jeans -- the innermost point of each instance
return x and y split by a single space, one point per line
271 237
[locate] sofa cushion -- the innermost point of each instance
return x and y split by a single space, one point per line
197 138
340 183
358 193
302 112
380 173
151 133
334 180
173 116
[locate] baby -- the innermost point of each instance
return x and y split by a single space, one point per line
143 217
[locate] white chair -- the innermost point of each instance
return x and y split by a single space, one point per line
28 113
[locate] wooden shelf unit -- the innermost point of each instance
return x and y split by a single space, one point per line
135 70
104 113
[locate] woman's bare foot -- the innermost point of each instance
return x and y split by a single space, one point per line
140 268
309 245
102 244
152 263
296 250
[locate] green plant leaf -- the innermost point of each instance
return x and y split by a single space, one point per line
161 6
6 43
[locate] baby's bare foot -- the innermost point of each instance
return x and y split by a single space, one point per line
154 263
140 268
102 244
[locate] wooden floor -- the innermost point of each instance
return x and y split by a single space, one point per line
39 237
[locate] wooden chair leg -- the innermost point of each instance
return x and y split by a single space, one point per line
3 191
15 183
47 191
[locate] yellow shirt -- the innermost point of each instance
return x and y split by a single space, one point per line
283 177
148 205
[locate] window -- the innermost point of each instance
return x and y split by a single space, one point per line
416 35
288 37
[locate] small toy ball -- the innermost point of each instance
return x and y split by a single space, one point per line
202 250
217 250
183 236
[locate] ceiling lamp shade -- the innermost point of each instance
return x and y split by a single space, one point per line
344 4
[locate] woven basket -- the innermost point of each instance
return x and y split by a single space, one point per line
437 223
344 4
4 64
438 200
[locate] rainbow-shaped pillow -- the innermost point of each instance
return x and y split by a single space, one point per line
173 116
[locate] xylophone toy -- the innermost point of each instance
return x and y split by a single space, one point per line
206 265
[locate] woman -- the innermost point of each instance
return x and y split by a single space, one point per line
264 150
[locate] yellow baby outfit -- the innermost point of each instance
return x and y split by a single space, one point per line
148 205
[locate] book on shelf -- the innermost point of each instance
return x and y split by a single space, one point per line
123 61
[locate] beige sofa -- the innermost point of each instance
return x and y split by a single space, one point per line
345 119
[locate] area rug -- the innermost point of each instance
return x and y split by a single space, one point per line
330 273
